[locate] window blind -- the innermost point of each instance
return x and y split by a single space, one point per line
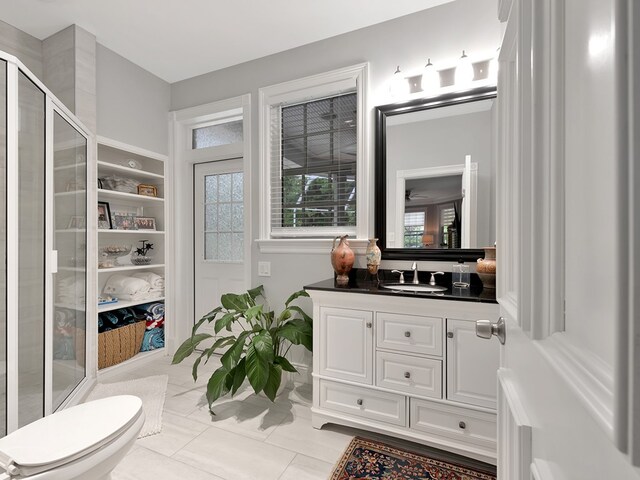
313 165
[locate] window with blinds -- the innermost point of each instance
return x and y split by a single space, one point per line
413 229
313 166
447 216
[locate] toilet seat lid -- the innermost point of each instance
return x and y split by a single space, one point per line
68 434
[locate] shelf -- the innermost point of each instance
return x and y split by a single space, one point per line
80 308
71 269
127 303
69 167
125 268
132 198
71 230
138 232
107 168
141 357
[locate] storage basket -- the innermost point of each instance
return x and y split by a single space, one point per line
116 346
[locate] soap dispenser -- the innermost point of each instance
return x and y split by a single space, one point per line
461 276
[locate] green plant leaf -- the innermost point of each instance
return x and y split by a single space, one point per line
209 317
263 344
284 363
302 313
233 354
188 346
239 375
253 312
216 387
298 332
286 314
232 301
299 293
223 322
257 369
273 382
256 292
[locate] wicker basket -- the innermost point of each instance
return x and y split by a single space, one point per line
116 346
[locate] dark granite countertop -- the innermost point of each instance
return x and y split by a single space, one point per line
361 282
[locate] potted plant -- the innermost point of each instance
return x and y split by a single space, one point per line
258 352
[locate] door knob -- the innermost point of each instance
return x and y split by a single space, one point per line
485 329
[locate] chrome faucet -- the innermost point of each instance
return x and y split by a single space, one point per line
414 267
433 278
401 280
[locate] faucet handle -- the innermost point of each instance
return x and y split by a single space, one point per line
433 278
401 280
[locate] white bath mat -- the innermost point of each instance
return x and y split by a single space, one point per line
151 390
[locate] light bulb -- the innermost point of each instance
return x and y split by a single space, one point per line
399 85
464 70
430 77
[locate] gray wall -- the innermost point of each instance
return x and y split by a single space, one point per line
132 103
22 45
440 33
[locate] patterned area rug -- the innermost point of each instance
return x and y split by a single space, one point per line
369 459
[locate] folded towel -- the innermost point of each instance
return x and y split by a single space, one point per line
152 339
120 285
154 311
156 281
134 297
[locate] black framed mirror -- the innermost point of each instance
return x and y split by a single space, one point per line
435 176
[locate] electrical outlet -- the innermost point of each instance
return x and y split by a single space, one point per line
264 269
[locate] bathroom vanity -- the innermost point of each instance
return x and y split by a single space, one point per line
407 365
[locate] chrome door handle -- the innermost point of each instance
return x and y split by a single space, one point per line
485 329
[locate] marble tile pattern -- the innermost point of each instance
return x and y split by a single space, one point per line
248 438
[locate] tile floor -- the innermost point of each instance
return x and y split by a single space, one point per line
249 438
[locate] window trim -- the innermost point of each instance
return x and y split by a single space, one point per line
303 90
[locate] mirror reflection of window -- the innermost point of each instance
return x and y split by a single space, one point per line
414 223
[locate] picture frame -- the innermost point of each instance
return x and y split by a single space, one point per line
148 190
145 223
123 222
76 221
104 216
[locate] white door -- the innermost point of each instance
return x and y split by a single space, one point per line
218 233
562 391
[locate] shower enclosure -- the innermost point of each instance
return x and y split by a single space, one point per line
44 233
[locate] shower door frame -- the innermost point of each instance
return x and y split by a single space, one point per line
52 106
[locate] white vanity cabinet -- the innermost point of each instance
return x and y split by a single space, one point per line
404 366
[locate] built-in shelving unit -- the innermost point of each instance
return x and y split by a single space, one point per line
135 166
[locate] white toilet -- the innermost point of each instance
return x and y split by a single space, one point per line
82 442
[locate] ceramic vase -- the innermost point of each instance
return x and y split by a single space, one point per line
342 259
374 256
486 268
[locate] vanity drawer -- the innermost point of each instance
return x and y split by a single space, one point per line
380 406
413 375
475 427
409 333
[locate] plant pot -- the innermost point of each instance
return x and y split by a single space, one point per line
486 268
140 260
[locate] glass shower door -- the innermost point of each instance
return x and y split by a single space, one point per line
3 248
70 241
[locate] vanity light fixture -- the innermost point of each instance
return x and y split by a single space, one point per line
430 77
399 85
464 70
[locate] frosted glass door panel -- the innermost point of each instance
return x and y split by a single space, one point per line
70 240
223 217
3 248
31 251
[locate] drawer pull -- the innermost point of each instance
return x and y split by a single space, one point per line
359 401
407 375
449 334
462 425
369 325
407 334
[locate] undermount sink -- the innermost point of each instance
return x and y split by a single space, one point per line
412 287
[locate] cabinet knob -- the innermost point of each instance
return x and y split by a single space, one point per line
462 425
407 374
369 325
407 334
449 334
359 401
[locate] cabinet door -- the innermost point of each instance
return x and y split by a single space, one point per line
472 364
346 344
